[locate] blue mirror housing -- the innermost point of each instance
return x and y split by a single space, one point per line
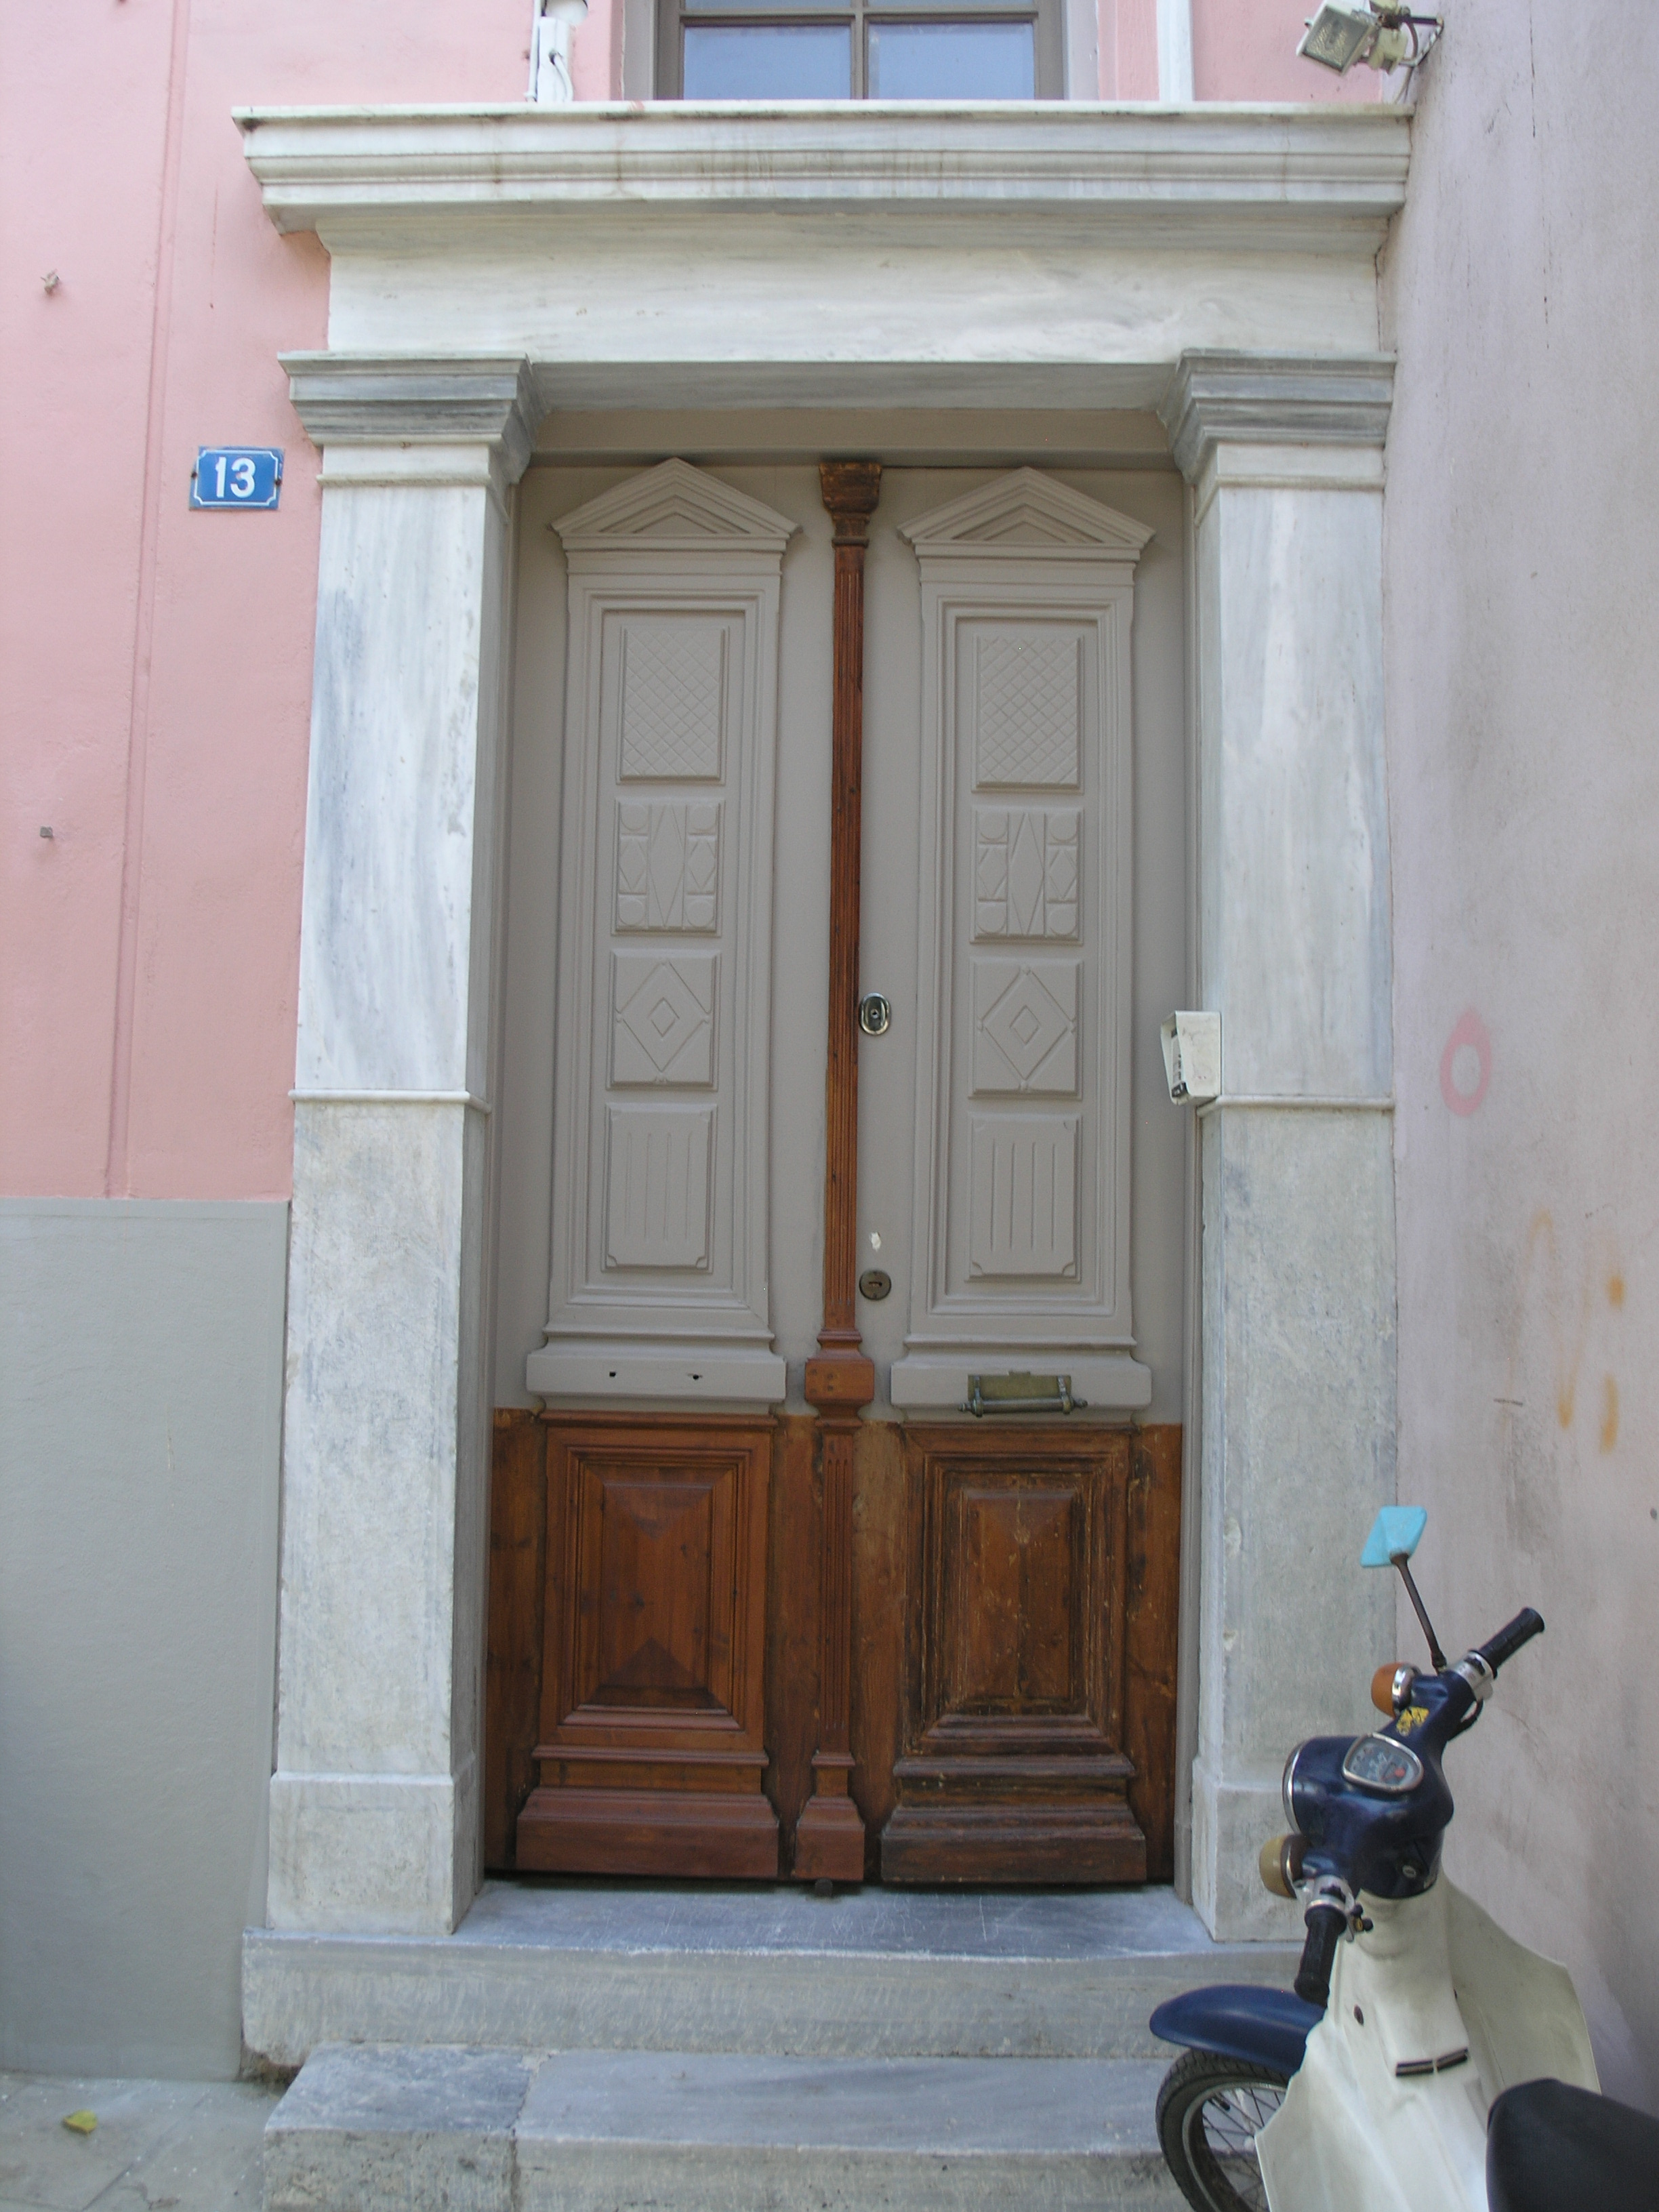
1395 1534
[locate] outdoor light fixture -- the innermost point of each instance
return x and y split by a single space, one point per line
549 51
1344 32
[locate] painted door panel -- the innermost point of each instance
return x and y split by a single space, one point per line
655 1595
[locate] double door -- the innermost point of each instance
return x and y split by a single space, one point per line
733 1634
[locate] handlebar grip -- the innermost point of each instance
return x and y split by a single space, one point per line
1325 1925
1497 1649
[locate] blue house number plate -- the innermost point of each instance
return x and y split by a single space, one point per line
237 475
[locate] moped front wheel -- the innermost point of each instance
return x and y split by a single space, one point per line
1210 2110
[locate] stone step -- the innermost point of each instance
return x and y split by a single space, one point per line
374 2128
871 1973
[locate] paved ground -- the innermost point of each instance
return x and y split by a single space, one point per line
158 2147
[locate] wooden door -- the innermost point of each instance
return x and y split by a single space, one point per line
650 1754
878 1638
1014 1766
1041 1511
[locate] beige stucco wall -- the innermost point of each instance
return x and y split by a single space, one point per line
1522 294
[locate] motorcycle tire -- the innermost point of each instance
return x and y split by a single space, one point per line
1209 2113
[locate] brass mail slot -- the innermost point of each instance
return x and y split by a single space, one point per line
1021 1393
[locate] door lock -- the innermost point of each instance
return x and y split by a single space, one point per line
875 1015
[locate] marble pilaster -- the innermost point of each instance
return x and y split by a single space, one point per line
374 1820
1298 1328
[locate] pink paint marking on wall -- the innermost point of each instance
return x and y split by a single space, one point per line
1466 1064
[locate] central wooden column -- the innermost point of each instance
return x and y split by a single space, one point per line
829 1836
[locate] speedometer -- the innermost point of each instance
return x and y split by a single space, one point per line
1377 1762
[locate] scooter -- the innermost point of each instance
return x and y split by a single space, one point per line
1426 2062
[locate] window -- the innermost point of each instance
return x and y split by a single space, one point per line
859 50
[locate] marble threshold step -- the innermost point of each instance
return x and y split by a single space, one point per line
371 2129
768 1972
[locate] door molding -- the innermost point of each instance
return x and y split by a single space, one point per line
1021 1249
662 1124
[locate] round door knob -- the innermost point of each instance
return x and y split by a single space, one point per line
875 1015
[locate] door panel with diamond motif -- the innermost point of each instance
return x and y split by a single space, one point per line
1010 1587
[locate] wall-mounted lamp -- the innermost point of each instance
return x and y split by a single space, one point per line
549 51
1344 32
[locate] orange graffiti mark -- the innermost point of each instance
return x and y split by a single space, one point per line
1609 1413
1568 1319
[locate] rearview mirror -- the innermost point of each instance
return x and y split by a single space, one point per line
1395 1534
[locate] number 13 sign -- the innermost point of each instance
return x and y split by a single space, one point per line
237 475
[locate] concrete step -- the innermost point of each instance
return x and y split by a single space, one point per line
871 1973
371 2129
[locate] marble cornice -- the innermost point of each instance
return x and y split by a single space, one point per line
1277 400
410 402
1313 179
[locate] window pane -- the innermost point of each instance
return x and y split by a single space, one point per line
952 61
769 61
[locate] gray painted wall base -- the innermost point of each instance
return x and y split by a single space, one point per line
140 1367
455 2131
868 1974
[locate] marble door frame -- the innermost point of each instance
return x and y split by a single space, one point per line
1217 265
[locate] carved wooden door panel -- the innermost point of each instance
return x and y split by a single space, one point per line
650 1754
1014 1766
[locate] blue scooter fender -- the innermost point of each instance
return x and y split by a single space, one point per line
1262 2027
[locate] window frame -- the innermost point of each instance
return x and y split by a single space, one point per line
1047 17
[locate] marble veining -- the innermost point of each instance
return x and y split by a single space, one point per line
1296 946
374 1285
391 814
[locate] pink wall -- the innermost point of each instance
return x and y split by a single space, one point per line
1129 49
158 660
1246 50
596 52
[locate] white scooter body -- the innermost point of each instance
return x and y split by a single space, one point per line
1434 1977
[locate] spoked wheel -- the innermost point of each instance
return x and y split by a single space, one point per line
1210 2112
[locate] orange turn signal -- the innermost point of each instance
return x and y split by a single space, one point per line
1280 1863
1391 1687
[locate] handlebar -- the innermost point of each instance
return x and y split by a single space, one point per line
1498 1649
1326 1925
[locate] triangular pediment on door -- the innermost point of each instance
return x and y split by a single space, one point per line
1027 514
675 508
